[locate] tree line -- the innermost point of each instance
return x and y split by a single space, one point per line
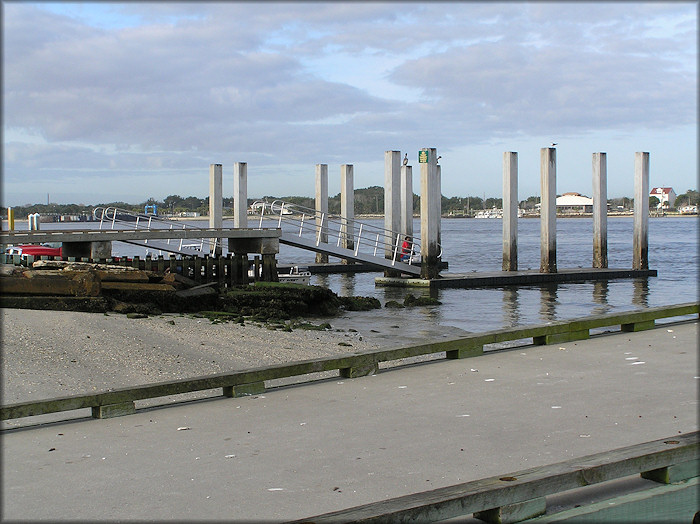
368 201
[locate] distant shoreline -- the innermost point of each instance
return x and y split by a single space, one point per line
5 224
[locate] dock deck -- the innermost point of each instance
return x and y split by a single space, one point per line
514 278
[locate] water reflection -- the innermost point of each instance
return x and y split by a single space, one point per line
548 301
600 297
511 307
347 285
640 292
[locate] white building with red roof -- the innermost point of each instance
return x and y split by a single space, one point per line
666 196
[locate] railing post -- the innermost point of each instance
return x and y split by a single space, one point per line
319 235
359 237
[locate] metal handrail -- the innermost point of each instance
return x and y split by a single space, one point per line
335 229
113 216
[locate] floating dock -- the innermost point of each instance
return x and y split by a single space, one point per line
514 278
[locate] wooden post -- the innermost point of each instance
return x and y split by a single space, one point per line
640 258
429 213
322 208
347 208
240 195
548 210
215 204
600 211
510 211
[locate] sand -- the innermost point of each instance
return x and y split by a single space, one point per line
49 354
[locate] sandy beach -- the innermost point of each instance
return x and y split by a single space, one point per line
56 353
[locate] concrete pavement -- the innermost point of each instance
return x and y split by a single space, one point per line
299 451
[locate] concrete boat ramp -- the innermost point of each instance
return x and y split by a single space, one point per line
301 451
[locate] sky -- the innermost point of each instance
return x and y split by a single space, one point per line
107 102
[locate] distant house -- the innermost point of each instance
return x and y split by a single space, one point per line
688 210
569 203
666 196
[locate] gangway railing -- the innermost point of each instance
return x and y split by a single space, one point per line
116 218
326 233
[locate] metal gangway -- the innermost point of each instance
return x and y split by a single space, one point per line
300 227
309 229
122 219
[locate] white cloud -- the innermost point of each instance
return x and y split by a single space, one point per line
102 90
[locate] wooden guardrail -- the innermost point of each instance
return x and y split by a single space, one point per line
521 495
223 269
252 381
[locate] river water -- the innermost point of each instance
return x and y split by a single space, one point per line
474 245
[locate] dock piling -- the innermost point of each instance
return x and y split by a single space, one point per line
548 210
215 204
406 201
321 208
240 195
600 211
392 203
430 202
640 259
347 208
510 211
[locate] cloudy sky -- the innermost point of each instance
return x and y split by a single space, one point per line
111 102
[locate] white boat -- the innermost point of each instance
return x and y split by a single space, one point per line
295 276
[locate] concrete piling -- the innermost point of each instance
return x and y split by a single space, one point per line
429 213
600 211
640 259
406 201
240 195
392 203
347 208
322 208
510 211
548 210
215 204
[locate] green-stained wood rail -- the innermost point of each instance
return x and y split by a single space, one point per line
251 381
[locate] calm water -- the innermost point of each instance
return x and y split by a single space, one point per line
476 245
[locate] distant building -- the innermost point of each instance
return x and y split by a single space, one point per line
666 196
574 203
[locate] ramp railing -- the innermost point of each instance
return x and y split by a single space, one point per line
116 218
338 236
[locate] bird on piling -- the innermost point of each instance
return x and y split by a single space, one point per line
405 159
437 160
552 144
